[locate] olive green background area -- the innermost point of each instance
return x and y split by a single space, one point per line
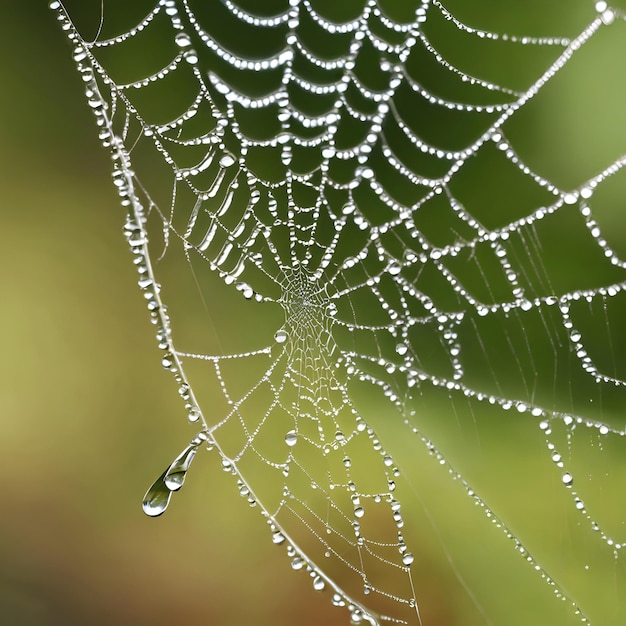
89 418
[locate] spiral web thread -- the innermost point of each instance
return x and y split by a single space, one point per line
297 174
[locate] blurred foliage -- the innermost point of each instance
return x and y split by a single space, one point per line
89 417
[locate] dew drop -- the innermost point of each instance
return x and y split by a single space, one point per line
291 438
359 511
338 600
182 40
407 558
176 473
278 538
280 336
318 583
157 497
298 563
568 479
227 160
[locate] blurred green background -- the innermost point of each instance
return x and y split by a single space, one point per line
88 416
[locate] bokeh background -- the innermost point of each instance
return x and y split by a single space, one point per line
88 417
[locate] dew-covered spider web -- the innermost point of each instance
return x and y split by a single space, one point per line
391 315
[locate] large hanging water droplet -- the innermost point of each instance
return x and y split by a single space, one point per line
177 471
408 558
291 438
157 497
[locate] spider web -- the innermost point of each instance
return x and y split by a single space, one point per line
320 159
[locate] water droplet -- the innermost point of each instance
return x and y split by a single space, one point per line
401 349
318 583
157 497
227 160
298 563
281 336
568 479
182 40
291 438
338 600
407 558
278 538
359 511
177 471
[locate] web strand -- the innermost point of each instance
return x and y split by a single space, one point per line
295 163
